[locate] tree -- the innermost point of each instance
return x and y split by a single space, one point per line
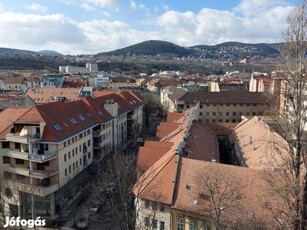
220 192
293 190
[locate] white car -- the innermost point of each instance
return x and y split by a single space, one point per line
96 205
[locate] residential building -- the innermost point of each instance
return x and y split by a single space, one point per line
51 151
225 106
46 95
180 176
52 80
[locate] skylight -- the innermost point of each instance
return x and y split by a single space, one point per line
72 120
57 127
100 113
89 115
82 118
64 124
134 101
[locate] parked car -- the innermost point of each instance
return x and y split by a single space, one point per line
110 187
96 205
84 220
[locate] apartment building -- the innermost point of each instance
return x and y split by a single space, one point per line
225 106
51 151
180 175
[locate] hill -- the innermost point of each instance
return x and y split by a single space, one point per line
151 48
14 52
223 51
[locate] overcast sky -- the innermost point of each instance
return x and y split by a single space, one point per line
92 26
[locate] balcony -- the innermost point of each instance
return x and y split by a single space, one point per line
97 133
16 154
43 157
33 189
25 171
42 174
97 145
26 139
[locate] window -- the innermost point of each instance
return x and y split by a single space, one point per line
201 106
20 177
73 153
69 169
82 118
6 160
64 124
65 157
162 208
146 203
146 220
69 155
200 113
221 113
254 113
20 162
72 120
214 113
65 172
188 106
8 175
180 223
57 127
162 225
154 223
89 143
227 113
207 226
207 114
234 113
5 145
193 225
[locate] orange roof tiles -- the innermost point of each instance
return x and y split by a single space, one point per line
45 95
260 146
147 156
246 183
172 117
8 117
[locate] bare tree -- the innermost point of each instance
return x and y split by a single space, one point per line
220 193
291 184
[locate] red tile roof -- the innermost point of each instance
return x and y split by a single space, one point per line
8 117
45 95
249 184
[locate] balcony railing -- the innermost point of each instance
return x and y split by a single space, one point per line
33 189
96 133
42 174
43 157
97 145
15 137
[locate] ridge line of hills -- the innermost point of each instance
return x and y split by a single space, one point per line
164 48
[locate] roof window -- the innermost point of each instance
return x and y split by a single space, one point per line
72 120
64 124
57 127
100 113
82 118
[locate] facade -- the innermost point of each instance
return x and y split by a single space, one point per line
89 68
52 80
51 151
225 106
181 176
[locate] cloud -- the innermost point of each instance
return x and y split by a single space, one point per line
87 6
106 35
37 7
211 26
133 5
40 32
255 7
110 4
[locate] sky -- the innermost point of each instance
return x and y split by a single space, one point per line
92 26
